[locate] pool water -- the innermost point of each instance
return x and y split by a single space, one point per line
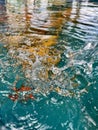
50 46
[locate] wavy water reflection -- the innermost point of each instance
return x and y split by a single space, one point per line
51 47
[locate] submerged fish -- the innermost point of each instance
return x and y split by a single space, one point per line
17 94
22 88
29 96
13 97
26 97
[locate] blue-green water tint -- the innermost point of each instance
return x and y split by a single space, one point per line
76 74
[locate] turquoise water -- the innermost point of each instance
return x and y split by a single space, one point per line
66 99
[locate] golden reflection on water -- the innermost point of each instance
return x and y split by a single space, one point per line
32 29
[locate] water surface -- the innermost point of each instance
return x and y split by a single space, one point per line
52 47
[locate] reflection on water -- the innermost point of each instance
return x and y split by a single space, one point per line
50 46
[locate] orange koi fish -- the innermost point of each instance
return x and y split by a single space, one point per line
13 97
22 88
30 96
27 96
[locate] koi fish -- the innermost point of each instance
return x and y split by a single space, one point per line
13 97
22 88
27 96
30 96
25 88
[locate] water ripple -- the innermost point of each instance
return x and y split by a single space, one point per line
52 47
